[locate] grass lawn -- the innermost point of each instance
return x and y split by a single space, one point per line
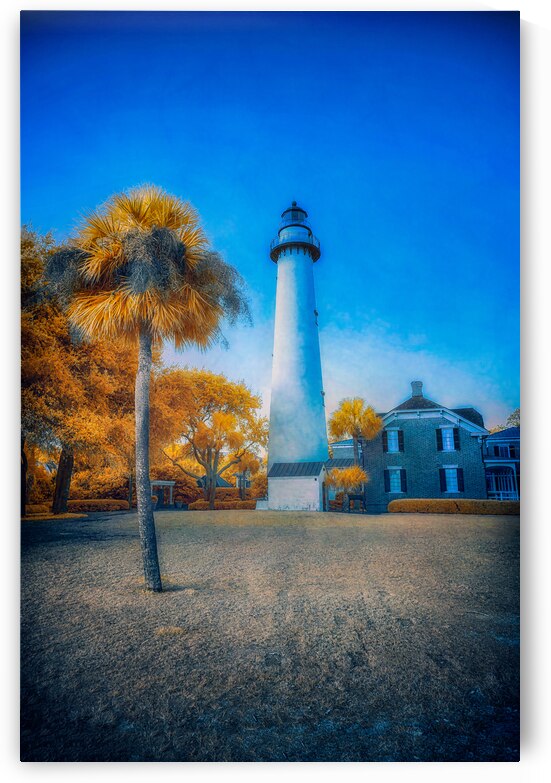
280 637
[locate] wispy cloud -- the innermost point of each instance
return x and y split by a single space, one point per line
377 364
370 361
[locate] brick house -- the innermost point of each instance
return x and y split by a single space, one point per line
425 450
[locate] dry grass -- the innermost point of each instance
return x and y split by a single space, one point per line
280 636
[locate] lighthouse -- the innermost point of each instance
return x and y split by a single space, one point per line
298 432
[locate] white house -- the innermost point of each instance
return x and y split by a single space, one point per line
296 486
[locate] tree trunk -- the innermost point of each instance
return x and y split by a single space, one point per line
24 468
356 450
63 479
130 488
146 520
212 492
242 486
345 502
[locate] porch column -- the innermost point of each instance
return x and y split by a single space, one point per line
171 488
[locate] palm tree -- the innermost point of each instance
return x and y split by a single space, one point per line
354 419
346 479
138 269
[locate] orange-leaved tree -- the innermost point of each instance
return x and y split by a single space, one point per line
69 390
346 479
354 419
138 269
216 425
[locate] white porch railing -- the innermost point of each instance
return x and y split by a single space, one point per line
502 495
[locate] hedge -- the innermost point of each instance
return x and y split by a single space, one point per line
451 506
229 494
228 505
97 505
36 508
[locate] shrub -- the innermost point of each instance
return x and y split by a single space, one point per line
36 508
259 486
97 505
105 483
336 503
40 483
453 506
227 505
225 494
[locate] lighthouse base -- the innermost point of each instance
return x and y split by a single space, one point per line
296 486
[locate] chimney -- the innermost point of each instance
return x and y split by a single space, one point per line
417 388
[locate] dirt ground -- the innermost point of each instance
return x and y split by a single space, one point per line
279 637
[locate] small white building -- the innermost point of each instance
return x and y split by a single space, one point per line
296 486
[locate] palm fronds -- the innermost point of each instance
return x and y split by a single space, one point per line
141 262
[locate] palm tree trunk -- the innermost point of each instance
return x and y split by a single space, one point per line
356 451
146 520
24 468
130 477
63 479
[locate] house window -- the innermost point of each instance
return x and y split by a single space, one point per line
395 480
395 483
393 441
452 480
447 439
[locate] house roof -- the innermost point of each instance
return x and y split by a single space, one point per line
511 433
220 482
294 469
341 462
471 414
416 403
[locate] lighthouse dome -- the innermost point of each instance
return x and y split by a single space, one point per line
294 231
294 215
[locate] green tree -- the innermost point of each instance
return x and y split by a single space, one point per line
139 270
513 420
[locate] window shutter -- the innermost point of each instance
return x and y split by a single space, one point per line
403 481
456 443
460 480
443 485
400 440
385 440
387 481
439 440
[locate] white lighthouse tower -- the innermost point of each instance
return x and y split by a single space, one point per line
298 432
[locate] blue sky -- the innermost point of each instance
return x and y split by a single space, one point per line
398 132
